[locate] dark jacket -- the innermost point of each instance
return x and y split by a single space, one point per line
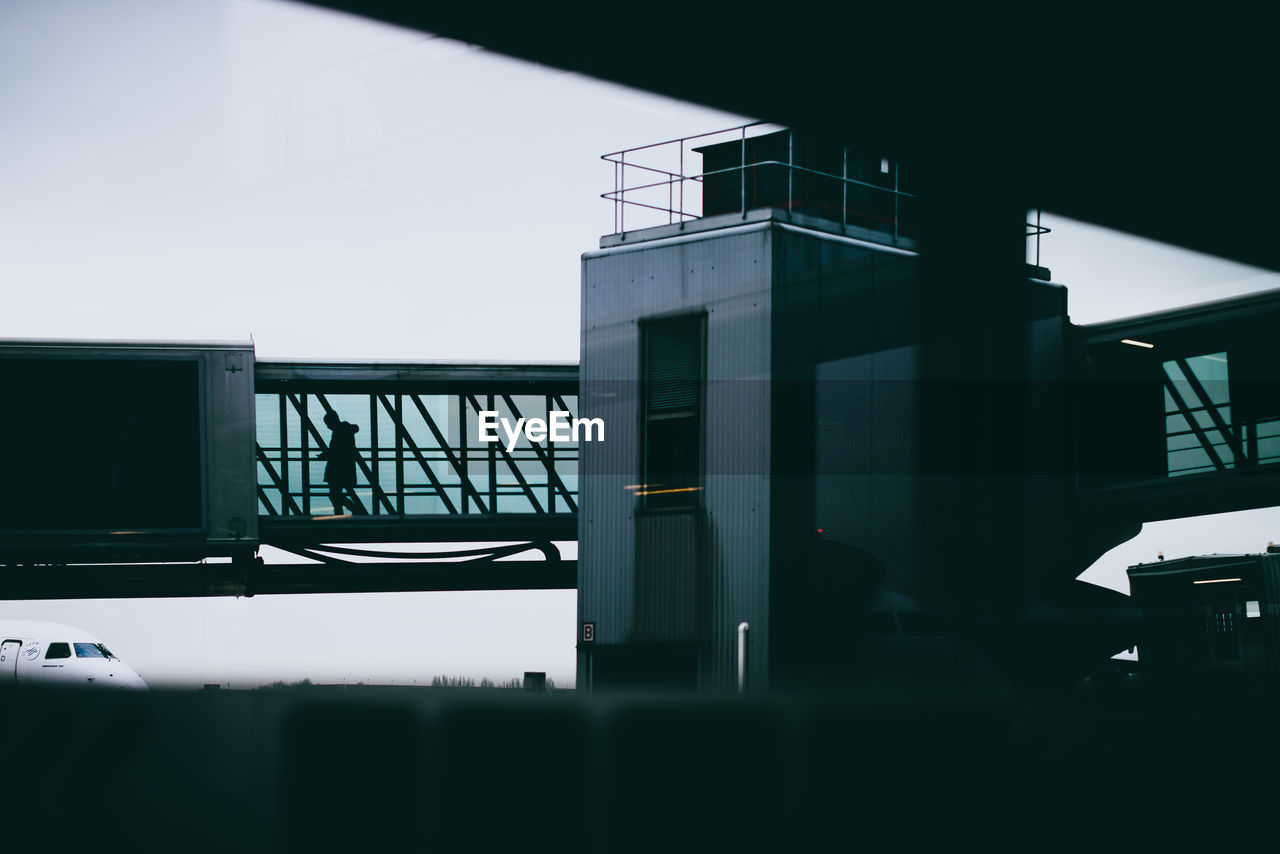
340 470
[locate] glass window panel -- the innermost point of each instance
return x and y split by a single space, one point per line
88 650
293 426
1193 458
352 408
424 504
1182 441
534 470
518 503
267 412
386 424
531 405
416 426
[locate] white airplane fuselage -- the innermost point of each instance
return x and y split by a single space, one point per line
40 653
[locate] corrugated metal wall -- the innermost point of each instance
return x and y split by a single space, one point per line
727 275
781 303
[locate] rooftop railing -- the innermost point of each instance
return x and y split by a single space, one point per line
665 183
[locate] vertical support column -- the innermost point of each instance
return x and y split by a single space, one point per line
400 488
376 480
305 443
465 473
493 468
284 455
551 459
973 316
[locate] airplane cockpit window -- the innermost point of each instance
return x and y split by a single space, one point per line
58 650
88 650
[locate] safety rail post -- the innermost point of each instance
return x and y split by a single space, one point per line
742 173
682 183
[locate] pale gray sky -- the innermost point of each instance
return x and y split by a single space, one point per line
337 188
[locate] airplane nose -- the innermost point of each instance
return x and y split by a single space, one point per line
126 678
134 682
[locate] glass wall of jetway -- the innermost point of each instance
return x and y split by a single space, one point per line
415 453
1200 432
1180 410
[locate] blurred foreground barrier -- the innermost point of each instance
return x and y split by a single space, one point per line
430 770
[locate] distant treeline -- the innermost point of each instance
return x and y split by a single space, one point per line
468 682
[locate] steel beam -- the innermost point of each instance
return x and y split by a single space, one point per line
287 532
147 581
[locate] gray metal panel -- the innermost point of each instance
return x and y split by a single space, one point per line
227 409
230 418
607 389
728 277
670 586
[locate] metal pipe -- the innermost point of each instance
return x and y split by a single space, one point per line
743 628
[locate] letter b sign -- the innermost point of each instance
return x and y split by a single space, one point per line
588 632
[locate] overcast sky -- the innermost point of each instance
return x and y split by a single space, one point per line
217 169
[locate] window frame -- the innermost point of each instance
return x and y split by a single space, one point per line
695 502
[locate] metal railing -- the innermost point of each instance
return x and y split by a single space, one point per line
684 187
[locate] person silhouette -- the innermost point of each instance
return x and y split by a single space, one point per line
340 465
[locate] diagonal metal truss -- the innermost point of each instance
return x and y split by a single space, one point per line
420 462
